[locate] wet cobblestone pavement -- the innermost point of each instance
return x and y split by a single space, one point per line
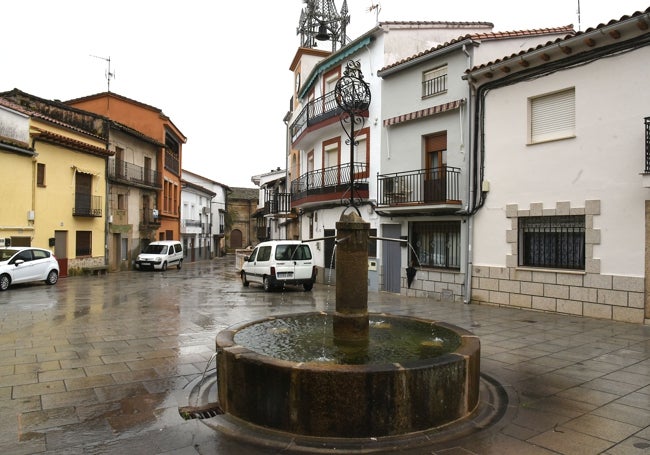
101 365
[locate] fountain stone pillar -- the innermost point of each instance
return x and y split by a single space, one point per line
350 321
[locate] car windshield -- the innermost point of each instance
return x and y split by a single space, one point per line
155 249
5 254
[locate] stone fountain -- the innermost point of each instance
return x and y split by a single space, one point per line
330 397
347 375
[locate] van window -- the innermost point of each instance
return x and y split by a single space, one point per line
283 252
155 249
264 253
303 253
292 252
179 248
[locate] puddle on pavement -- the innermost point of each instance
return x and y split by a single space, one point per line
135 411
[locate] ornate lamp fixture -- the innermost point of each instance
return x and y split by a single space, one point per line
353 97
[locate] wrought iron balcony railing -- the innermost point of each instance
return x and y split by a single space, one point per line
123 171
647 145
263 233
424 186
150 219
276 203
87 205
172 163
316 111
334 179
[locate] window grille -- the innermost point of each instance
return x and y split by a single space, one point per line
434 81
552 241
436 244
83 243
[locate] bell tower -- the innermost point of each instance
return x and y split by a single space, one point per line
319 21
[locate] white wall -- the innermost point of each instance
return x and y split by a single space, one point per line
603 162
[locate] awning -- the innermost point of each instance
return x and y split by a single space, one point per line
424 113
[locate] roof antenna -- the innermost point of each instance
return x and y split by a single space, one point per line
578 15
377 8
109 75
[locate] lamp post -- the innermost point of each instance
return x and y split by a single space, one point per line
353 97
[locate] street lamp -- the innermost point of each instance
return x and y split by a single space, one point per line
353 97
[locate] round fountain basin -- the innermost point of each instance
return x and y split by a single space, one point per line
287 373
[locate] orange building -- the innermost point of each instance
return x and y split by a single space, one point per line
151 122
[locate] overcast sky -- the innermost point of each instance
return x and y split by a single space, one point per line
219 69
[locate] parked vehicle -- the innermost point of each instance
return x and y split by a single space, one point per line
160 255
276 263
25 264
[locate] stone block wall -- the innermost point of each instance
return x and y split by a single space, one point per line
445 285
584 293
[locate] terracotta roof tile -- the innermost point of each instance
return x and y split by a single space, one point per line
568 29
558 40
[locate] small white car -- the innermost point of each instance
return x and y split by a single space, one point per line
275 263
160 255
24 264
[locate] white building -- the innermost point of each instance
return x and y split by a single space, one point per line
562 160
274 213
423 189
322 160
203 211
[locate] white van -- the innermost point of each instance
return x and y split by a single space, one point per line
160 255
278 262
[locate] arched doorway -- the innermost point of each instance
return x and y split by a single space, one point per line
236 239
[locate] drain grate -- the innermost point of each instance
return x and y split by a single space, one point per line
200 412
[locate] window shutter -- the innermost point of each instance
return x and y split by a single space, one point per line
437 142
553 116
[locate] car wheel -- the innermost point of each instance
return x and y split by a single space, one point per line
267 284
244 281
308 286
164 266
4 282
180 264
52 277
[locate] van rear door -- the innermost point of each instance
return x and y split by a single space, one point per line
294 261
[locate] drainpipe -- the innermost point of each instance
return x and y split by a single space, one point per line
287 150
470 218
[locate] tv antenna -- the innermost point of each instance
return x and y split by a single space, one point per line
377 8
109 75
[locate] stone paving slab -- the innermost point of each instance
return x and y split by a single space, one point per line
101 365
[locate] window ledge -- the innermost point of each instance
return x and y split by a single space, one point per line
431 95
554 139
541 269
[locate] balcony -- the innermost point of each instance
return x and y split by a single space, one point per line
316 111
150 220
437 188
646 172
132 174
191 226
171 162
263 233
277 204
329 184
87 205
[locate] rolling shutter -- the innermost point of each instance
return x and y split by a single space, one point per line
553 116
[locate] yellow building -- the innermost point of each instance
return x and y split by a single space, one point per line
17 160
66 207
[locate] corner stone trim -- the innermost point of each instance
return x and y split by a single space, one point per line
583 293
